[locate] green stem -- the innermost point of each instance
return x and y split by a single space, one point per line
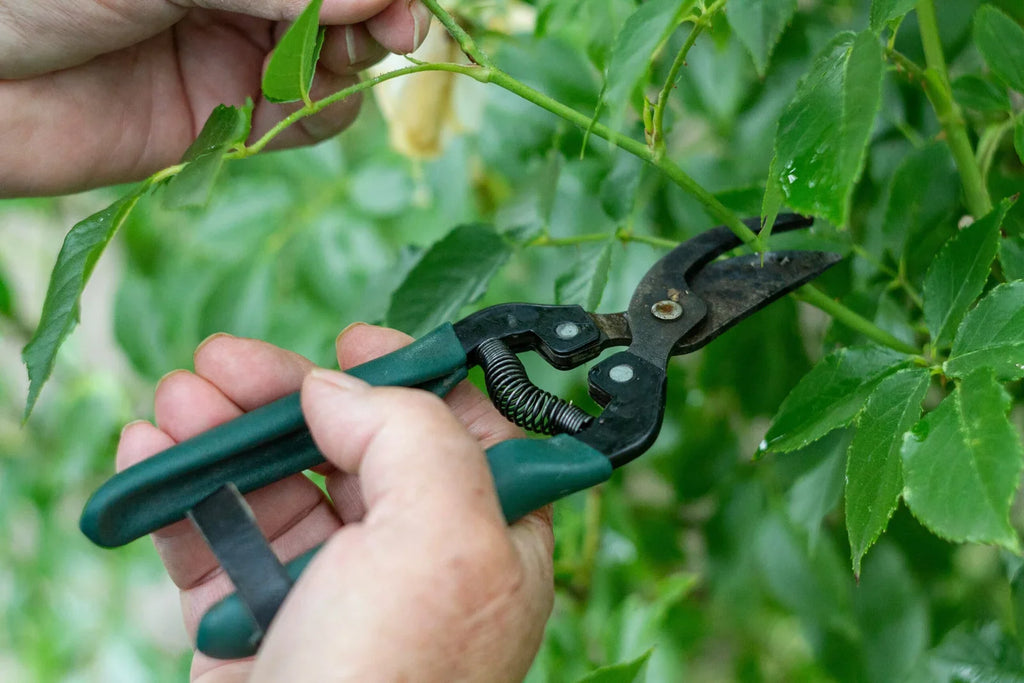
634 147
936 86
464 40
657 128
855 321
624 236
591 540
320 105
549 241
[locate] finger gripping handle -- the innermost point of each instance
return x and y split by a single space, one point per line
251 451
528 474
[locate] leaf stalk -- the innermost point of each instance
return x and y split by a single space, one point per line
940 94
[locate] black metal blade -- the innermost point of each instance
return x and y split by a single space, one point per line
738 287
668 284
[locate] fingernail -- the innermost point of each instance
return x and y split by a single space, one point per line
420 22
215 335
350 44
166 375
345 331
130 425
336 379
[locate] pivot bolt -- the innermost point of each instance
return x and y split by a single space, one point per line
621 373
567 330
667 310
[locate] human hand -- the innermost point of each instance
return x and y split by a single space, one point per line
94 93
420 578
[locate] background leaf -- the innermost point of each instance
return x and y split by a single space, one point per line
962 464
454 272
991 335
585 281
830 395
874 476
823 132
1011 256
958 274
6 300
647 28
974 92
623 672
884 11
759 25
289 72
1018 138
981 655
82 247
1001 42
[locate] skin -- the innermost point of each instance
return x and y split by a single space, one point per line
420 578
96 92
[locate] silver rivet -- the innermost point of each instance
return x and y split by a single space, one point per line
567 330
667 310
621 373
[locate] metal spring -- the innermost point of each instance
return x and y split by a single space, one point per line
520 400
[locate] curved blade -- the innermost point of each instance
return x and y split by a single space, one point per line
668 282
738 287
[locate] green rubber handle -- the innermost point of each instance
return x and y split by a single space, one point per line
528 474
251 451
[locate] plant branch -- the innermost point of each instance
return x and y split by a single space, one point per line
936 86
657 128
855 321
464 40
319 105
634 147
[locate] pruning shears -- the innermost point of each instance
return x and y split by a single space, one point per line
687 299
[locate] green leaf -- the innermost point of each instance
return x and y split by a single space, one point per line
225 127
830 395
759 25
823 132
1001 42
82 247
991 335
980 94
885 11
647 28
623 672
962 464
1018 138
289 74
193 185
958 274
453 273
874 467
585 281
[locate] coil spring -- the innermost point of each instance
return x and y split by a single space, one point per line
520 400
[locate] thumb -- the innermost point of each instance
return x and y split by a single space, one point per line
409 451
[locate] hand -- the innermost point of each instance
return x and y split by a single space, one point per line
105 92
420 578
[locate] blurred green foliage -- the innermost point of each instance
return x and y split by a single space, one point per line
698 561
